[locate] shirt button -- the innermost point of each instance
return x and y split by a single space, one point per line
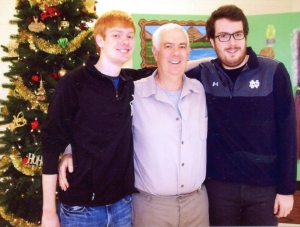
182 164
182 142
182 185
177 119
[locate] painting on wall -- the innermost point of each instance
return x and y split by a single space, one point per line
200 46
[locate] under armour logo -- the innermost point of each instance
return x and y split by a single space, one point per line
254 84
215 84
131 105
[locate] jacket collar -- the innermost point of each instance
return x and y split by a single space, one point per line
90 66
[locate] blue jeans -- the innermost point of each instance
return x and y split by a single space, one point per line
114 215
233 204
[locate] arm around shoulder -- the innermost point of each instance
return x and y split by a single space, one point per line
195 63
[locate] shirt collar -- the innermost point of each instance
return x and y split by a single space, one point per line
150 87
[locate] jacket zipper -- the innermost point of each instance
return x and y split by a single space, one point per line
231 87
231 91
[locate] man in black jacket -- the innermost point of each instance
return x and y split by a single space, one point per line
251 142
91 110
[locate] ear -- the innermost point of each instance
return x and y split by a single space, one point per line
99 41
212 42
154 52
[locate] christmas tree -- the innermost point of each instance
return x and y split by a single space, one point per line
53 38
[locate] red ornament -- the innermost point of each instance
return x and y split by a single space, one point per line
30 19
54 75
94 8
35 124
82 26
50 12
35 78
25 160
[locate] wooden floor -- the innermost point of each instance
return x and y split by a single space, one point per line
294 216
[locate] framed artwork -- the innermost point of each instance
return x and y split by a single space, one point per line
200 46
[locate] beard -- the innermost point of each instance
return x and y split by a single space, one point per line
231 61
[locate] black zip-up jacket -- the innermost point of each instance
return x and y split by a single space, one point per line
87 112
251 124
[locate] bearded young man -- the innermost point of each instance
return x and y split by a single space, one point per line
251 143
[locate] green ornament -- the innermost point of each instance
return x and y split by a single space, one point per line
63 42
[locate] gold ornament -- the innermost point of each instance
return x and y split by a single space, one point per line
21 91
36 26
5 111
89 5
64 24
41 93
45 46
32 47
4 161
12 47
18 121
62 72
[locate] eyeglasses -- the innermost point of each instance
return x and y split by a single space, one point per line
226 37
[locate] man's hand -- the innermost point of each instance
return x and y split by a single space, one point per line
283 205
65 163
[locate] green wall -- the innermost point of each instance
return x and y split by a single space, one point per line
284 25
298 171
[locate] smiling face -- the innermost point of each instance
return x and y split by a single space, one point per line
173 52
118 45
232 53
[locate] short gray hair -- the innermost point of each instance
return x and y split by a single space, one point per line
168 27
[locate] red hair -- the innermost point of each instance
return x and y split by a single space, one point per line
111 19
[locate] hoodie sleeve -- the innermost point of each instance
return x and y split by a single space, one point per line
286 131
56 134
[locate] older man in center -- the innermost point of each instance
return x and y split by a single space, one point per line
169 131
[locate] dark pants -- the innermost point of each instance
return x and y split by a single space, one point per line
233 204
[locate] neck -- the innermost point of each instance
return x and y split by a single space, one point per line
169 83
108 68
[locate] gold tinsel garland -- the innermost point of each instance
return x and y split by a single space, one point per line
42 3
22 91
45 46
5 160
18 222
17 161
27 169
